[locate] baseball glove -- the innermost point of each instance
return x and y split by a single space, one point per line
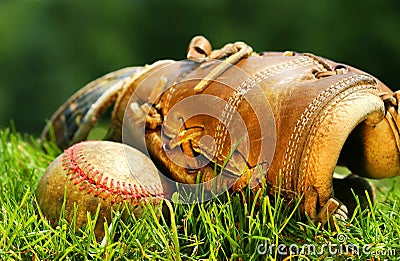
286 119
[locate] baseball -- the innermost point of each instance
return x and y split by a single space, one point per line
93 173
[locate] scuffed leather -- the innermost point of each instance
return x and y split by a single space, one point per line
312 117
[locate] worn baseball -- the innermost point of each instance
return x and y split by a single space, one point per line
93 173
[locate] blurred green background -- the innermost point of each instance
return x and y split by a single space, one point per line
50 49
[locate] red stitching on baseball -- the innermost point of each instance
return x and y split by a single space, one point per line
90 179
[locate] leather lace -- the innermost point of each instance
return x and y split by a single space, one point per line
392 113
200 51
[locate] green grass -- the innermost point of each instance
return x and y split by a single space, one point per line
230 227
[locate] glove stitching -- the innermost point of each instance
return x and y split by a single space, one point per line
319 121
235 100
300 127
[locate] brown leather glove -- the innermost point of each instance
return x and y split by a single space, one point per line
280 118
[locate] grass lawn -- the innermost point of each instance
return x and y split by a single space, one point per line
230 227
